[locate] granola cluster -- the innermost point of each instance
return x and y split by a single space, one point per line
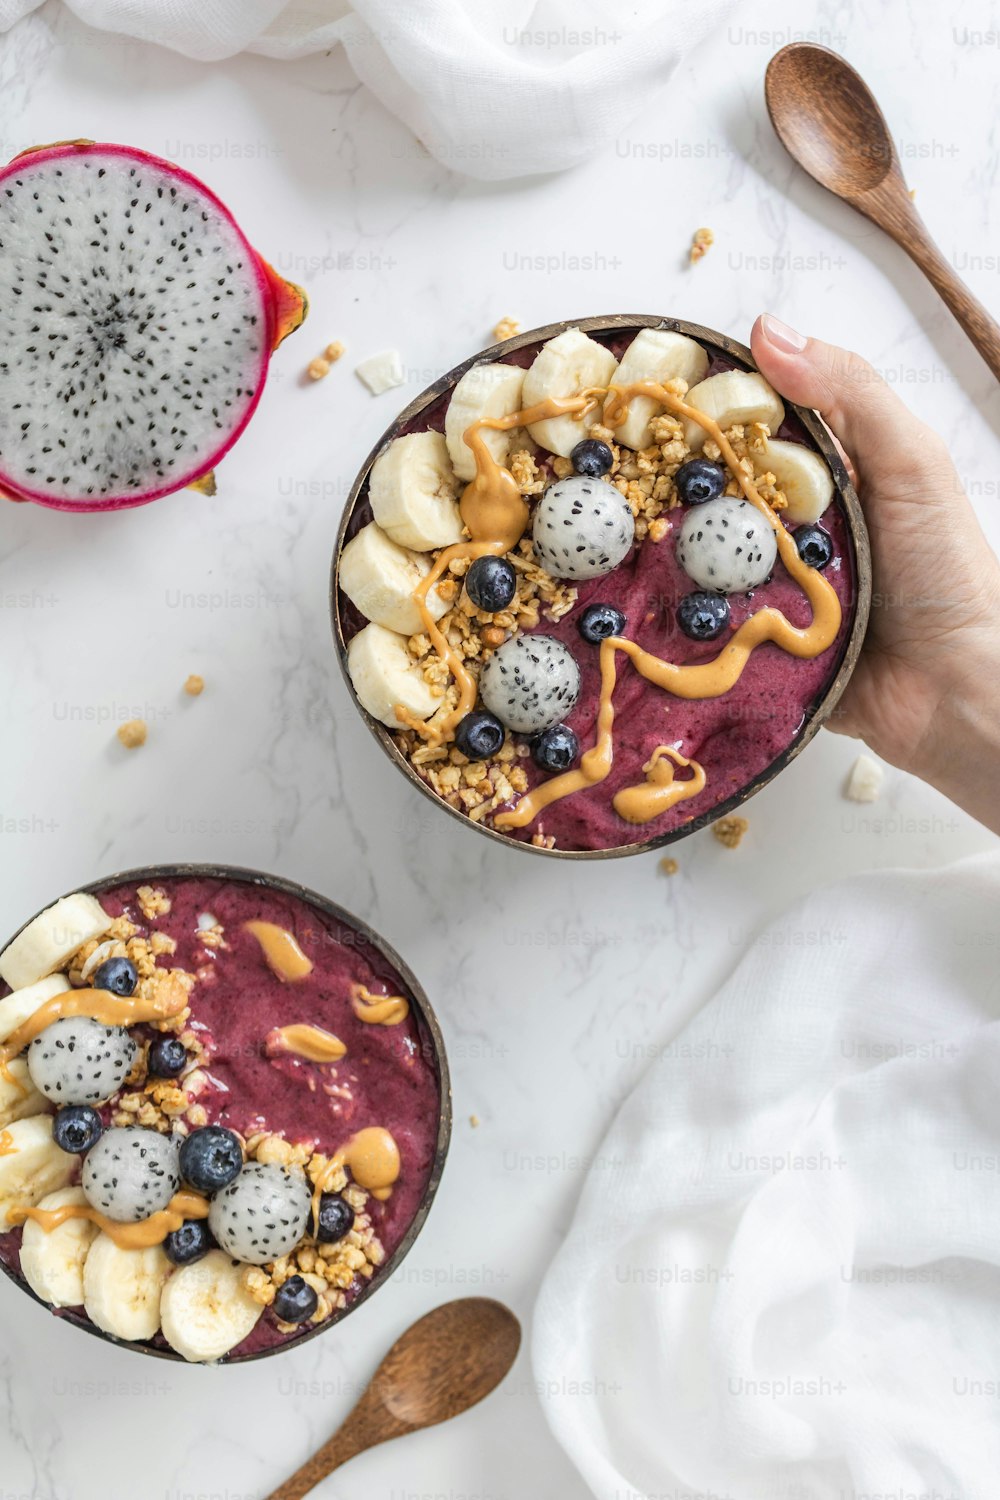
329 1269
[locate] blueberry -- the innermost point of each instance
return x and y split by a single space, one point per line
592 457
703 615
491 583
294 1301
117 975
598 621
76 1128
699 480
815 546
336 1218
189 1243
479 735
211 1158
555 749
167 1057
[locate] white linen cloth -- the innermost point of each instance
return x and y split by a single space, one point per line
492 88
783 1277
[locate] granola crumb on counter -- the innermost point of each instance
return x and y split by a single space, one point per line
668 866
506 329
730 831
700 242
133 733
333 351
318 368
474 1121
194 686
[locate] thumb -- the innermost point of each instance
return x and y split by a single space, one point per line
891 448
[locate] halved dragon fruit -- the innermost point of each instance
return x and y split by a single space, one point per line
136 326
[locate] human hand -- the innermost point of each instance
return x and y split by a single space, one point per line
926 691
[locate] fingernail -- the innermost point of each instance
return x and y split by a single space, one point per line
781 336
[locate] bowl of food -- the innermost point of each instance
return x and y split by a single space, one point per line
599 584
224 1111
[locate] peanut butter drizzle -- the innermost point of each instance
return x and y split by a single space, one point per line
101 1005
372 1158
379 1010
495 514
283 955
7 1147
310 1042
142 1236
660 790
697 680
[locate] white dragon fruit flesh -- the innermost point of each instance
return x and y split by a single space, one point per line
582 528
263 1214
136 326
727 545
78 1060
131 1173
530 682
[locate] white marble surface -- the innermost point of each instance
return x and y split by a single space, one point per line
553 983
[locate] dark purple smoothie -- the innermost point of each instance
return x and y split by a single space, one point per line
387 1078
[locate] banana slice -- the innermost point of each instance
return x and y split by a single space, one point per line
655 354
19 1098
17 1007
206 1309
413 492
565 366
488 390
384 673
122 1288
730 397
51 938
379 578
32 1164
52 1262
802 476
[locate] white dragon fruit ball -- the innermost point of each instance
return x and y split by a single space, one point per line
727 545
131 1173
530 683
78 1060
263 1214
582 528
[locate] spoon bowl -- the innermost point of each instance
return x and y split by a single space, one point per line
446 1362
845 145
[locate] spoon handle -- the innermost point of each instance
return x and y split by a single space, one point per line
911 234
344 1444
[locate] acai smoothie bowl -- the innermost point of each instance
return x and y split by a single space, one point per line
599 584
224 1111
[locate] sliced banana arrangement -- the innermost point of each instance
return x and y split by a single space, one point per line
413 492
487 390
379 577
658 355
733 398
567 365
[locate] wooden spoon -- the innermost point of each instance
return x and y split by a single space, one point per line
827 119
440 1367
